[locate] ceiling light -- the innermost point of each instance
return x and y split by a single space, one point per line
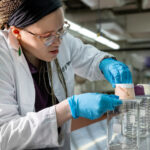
77 28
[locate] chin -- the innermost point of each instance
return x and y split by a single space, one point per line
50 59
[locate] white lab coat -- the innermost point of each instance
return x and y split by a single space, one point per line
20 126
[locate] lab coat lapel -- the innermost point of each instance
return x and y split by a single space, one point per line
58 89
26 86
26 94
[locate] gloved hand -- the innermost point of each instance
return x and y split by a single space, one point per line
115 71
92 105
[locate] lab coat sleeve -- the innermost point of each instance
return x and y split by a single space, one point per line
86 59
32 131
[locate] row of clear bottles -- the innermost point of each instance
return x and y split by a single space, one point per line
123 126
144 119
132 123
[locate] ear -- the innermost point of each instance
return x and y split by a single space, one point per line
15 32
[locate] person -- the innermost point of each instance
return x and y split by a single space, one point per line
38 60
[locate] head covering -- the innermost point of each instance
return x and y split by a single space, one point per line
30 11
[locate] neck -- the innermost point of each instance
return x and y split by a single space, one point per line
32 59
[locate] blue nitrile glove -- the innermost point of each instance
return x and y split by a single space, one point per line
92 105
115 71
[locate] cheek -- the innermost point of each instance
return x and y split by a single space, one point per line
31 42
37 49
34 46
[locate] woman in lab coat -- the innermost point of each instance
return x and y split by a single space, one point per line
38 60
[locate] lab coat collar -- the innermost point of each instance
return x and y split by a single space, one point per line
14 44
27 101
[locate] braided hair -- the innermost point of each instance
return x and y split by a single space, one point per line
7 7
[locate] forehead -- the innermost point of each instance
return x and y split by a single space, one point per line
51 22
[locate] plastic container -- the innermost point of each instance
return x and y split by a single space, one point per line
146 88
123 126
144 115
139 90
144 109
125 91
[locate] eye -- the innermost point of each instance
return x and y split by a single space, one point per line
46 35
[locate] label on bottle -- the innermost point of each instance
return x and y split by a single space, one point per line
142 113
132 119
117 128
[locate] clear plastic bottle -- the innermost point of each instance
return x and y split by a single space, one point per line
144 116
123 127
142 91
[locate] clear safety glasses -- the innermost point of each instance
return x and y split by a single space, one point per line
51 37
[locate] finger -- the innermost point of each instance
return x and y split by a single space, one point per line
114 101
123 70
129 77
128 73
115 75
114 96
117 102
124 76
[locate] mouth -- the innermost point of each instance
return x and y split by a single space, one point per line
54 52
